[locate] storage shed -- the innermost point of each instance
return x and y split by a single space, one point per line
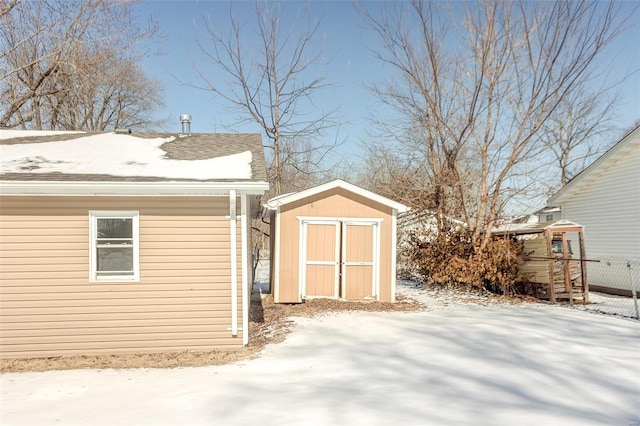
550 264
335 240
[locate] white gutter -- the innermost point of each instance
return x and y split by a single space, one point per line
246 285
234 263
130 188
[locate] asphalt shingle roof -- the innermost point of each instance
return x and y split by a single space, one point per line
197 146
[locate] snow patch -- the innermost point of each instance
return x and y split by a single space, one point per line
116 155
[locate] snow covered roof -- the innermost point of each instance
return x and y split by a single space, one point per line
55 156
535 228
280 200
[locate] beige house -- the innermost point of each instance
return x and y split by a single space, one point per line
336 241
122 243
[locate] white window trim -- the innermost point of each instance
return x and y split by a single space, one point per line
93 234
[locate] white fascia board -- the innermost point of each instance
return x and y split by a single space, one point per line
130 188
274 203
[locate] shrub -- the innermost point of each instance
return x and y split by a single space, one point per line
453 257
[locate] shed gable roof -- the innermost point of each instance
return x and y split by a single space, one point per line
284 199
605 163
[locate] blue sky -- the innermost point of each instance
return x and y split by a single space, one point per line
351 67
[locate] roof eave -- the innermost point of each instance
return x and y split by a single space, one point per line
574 185
87 188
281 200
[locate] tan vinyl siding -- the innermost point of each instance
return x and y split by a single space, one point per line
537 269
183 299
336 202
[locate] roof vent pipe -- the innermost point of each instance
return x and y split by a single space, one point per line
185 119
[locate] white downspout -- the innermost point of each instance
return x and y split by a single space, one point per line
234 262
246 285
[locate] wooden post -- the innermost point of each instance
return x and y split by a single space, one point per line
548 235
583 269
567 267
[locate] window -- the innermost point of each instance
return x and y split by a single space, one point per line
114 252
549 217
556 247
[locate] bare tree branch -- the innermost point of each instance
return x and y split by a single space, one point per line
74 65
473 120
272 83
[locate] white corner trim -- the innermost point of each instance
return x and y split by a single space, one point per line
276 258
302 260
246 285
338 268
377 263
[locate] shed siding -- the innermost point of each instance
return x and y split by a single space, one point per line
609 209
336 202
183 299
536 270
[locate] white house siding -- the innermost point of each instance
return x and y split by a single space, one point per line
608 206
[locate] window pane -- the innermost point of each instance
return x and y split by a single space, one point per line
115 228
115 259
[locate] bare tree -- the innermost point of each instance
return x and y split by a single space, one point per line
105 92
272 83
74 65
476 114
573 136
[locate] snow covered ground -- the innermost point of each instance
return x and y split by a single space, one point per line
610 304
454 363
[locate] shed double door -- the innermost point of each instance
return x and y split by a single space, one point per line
340 259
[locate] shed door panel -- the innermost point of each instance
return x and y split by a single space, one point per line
358 249
322 260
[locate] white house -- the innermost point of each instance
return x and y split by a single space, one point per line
605 199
